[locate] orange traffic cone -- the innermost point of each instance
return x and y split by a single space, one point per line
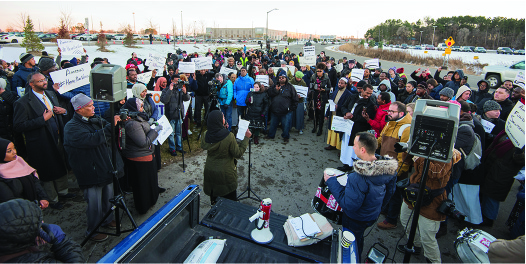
142 42
113 41
161 42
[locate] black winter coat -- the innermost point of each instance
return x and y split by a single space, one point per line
257 105
283 100
325 83
173 102
506 105
19 187
360 124
202 83
477 96
7 99
465 140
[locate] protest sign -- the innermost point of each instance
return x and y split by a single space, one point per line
71 78
488 126
519 79
144 77
301 90
515 125
309 51
202 63
357 75
155 61
226 71
372 63
339 67
70 47
286 68
186 67
166 131
341 125
11 54
307 60
263 79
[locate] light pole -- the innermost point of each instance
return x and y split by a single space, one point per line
182 32
433 41
266 32
421 37
134 23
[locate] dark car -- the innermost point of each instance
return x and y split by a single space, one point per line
110 37
480 50
308 43
504 50
47 37
404 46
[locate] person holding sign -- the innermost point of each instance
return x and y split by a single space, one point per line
320 87
338 97
132 79
298 116
172 97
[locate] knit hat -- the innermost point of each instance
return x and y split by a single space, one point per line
3 83
491 105
422 84
45 64
25 57
447 92
400 70
79 101
282 73
299 74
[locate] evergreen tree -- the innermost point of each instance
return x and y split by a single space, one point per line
128 40
31 41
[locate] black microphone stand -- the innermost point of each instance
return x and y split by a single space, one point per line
248 190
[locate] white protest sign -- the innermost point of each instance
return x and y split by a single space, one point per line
144 77
301 90
373 63
307 60
186 67
341 125
515 125
357 75
263 79
339 67
166 131
155 61
70 47
488 126
203 63
226 71
286 68
519 79
71 78
332 106
156 96
141 67
242 126
11 54
309 51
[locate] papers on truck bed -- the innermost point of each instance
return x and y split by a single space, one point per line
304 226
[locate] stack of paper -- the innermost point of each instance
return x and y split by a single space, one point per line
304 226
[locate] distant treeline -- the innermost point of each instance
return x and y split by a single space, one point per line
466 31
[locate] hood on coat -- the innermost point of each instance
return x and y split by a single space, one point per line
20 223
386 83
461 90
382 166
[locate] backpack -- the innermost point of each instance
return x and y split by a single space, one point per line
472 159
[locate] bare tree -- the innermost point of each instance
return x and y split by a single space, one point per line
65 17
151 27
202 25
462 35
20 22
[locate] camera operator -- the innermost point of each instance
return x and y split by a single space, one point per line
173 98
429 221
140 166
88 146
202 94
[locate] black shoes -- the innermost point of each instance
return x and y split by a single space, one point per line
401 248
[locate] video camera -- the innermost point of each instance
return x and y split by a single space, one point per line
125 113
447 207
214 86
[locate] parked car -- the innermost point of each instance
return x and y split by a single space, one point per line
455 48
480 50
47 37
518 52
495 74
418 47
308 43
430 47
404 46
119 36
74 36
465 49
504 50
324 43
441 46
16 38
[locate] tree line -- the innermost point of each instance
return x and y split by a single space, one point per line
479 31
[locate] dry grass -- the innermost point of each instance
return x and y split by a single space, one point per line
195 147
402 56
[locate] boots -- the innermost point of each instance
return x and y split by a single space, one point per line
256 140
320 129
314 129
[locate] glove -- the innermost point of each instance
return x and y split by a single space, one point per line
158 128
52 233
150 121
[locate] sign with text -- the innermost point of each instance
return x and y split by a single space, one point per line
341 125
263 79
202 63
515 125
186 67
166 131
144 77
70 47
155 61
286 68
372 63
339 67
307 60
309 51
357 75
301 90
71 78
488 126
11 54
519 79
226 71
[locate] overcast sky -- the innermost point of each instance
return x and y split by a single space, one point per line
341 18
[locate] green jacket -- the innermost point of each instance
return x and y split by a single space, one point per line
220 174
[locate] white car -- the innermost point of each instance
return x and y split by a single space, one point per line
119 36
496 74
14 38
87 37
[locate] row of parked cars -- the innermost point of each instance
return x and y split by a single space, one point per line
442 46
18 37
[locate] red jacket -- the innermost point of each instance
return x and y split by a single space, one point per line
378 122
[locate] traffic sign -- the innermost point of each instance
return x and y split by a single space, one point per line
448 51
450 42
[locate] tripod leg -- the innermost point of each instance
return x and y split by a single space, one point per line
125 208
98 226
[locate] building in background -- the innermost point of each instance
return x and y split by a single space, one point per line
255 33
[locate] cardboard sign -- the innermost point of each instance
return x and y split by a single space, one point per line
11 54
155 61
519 79
301 90
372 64
226 71
70 47
357 75
309 51
203 63
186 67
515 125
71 78
263 79
307 60
339 67
144 77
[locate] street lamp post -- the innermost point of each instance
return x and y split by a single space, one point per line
134 23
421 37
266 32
433 41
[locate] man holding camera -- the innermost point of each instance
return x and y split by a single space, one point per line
173 98
202 94
87 143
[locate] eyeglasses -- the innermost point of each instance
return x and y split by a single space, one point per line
391 111
319 71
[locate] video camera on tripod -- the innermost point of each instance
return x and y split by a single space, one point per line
213 87
255 124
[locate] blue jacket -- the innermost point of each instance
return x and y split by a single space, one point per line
20 77
226 93
456 84
368 189
100 107
435 93
242 88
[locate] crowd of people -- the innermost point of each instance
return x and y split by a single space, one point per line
45 133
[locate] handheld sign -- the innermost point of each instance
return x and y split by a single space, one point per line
144 77
519 79
71 78
341 125
301 90
309 51
373 63
515 125
263 79
155 61
307 60
186 67
11 54
357 75
70 47
339 67
226 71
203 63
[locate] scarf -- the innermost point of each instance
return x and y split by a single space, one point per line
501 145
158 83
16 169
318 98
137 89
131 105
216 130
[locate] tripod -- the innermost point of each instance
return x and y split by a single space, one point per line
118 200
248 190
212 101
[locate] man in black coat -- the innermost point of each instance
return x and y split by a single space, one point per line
38 117
202 93
284 101
501 96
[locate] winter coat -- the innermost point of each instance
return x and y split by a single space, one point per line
89 152
413 98
439 79
387 83
506 105
7 99
465 141
403 95
16 188
435 93
507 251
202 83
418 78
257 105
437 177
455 84
20 77
173 102
325 83
499 127
139 138
43 153
360 124
294 82
226 93
389 137
220 172
369 188
242 88
283 100
307 75
477 96
20 222
332 77
346 94
150 108
378 122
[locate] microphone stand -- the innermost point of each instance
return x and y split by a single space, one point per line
248 190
